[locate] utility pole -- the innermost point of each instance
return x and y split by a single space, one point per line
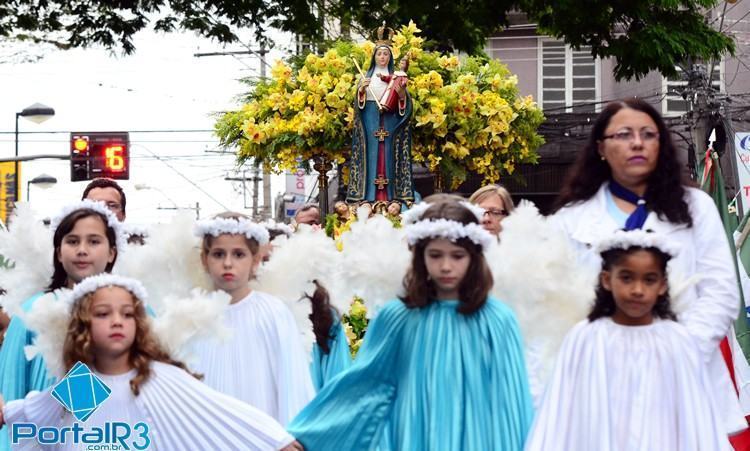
255 178
266 214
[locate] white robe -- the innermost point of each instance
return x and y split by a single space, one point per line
263 363
181 412
622 388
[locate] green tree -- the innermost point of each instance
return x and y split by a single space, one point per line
642 35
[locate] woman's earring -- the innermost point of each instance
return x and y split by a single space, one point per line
602 157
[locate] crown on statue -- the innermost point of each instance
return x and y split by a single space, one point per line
384 35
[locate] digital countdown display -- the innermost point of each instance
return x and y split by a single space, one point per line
99 154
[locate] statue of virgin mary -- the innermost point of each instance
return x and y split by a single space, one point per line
380 163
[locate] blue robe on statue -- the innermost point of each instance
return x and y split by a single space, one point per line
427 379
325 367
363 161
19 376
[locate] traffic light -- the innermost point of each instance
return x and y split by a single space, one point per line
99 154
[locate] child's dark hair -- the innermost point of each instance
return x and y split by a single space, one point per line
604 304
60 276
321 316
472 293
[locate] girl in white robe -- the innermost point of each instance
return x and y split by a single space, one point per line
165 406
263 362
631 377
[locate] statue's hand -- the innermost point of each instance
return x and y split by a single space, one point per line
365 83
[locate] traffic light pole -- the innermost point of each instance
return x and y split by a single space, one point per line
35 157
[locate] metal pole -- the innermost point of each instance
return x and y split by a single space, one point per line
256 169
266 211
28 190
18 179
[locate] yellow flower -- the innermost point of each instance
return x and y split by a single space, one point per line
448 62
367 47
410 28
399 41
280 71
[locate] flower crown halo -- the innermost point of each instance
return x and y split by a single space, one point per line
121 240
232 226
622 239
91 284
450 230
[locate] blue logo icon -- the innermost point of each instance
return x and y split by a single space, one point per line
81 392
745 143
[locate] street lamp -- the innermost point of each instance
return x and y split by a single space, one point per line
43 181
36 113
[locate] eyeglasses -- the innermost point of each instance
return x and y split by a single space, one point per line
628 135
496 213
114 206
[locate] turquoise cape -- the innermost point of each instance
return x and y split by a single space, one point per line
19 376
427 379
325 367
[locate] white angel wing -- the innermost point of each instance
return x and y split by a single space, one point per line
375 261
536 273
49 318
295 262
168 264
27 244
185 320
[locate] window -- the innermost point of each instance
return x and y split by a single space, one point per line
674 104
568 79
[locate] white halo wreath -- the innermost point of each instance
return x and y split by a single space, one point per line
232 226
448 229
622 239
93 283
121 240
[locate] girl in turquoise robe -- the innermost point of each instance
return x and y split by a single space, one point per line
73 228
440 369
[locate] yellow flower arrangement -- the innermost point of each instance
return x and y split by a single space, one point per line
468 115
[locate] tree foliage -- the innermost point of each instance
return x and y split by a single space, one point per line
642 35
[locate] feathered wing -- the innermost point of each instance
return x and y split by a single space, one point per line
375 259
168 264
185 320
295 262
536 273
27 245
49 318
